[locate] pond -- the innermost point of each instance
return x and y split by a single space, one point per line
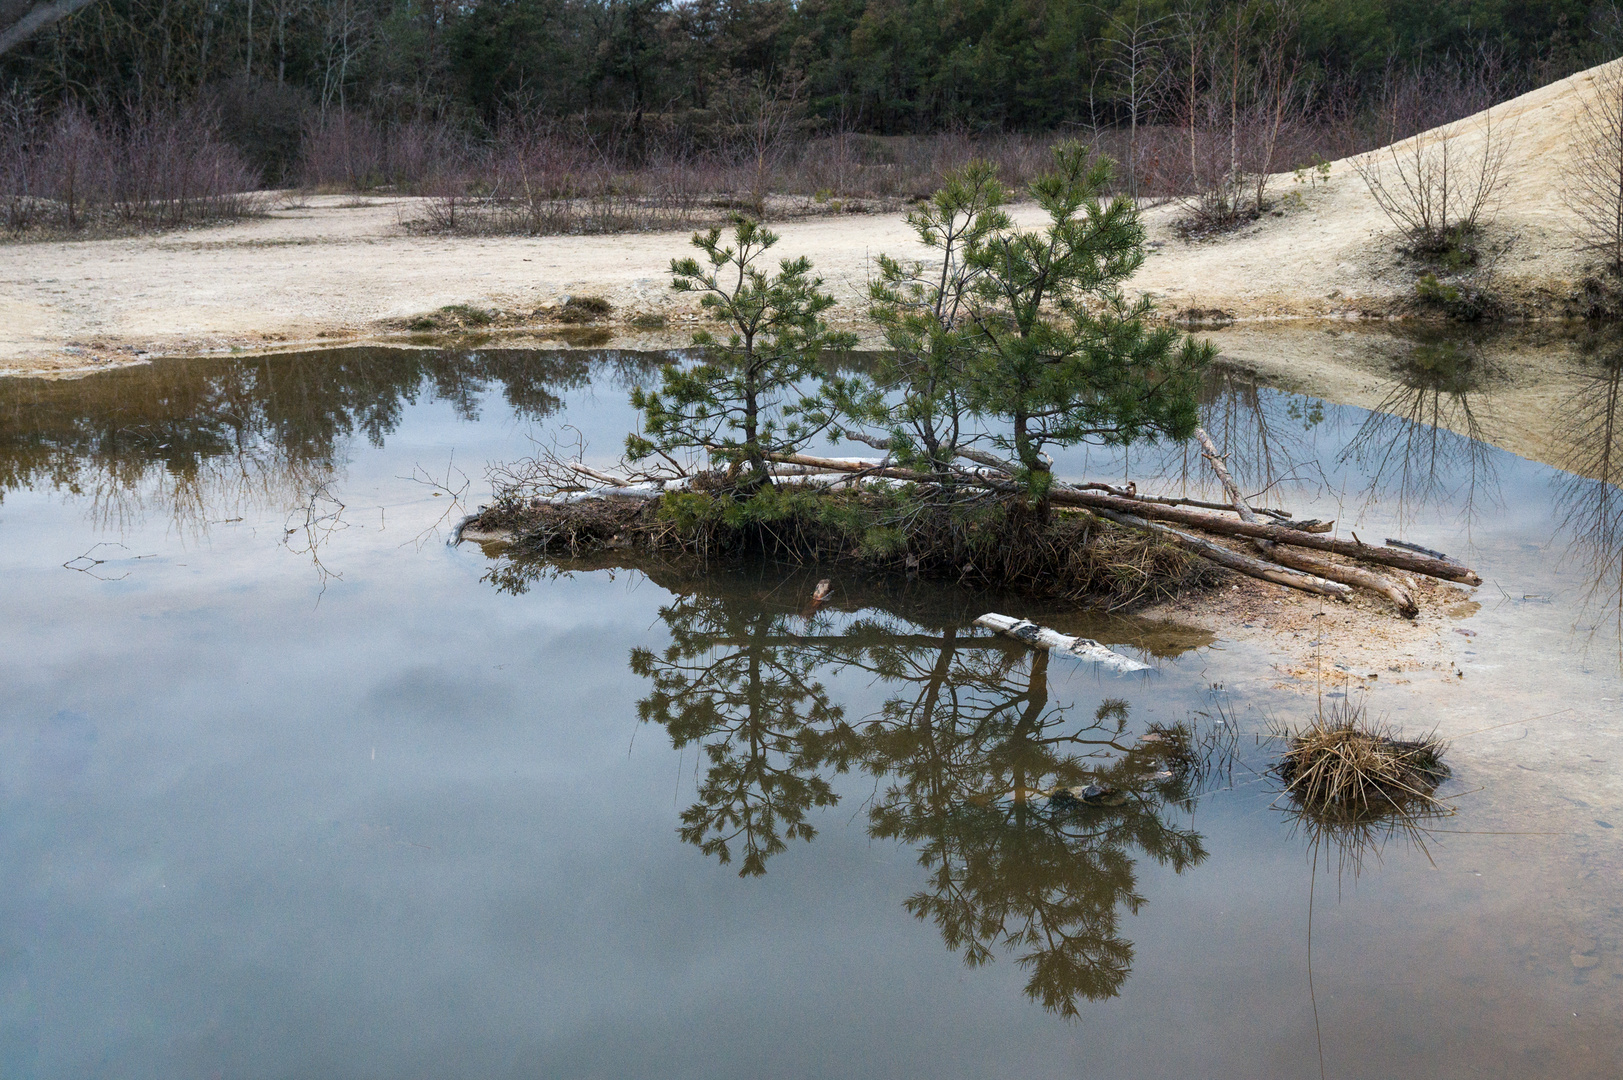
290 786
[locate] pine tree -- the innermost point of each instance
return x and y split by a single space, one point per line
758 392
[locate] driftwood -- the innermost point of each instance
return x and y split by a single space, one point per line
1284 534
1043 638
1066 495
1229 558
1347 575
1350 575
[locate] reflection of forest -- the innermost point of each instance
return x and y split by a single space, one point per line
970 752
198 438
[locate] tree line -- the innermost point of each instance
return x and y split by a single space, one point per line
880 66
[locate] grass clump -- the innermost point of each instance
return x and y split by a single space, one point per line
584 309
451 317
1343 768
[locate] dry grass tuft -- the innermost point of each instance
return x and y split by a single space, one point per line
1343 769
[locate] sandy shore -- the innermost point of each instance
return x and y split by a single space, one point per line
323 269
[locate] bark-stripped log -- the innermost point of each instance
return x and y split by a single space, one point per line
1234 560
1043 638
1347 575
1064 495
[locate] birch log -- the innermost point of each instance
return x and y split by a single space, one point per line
1043 638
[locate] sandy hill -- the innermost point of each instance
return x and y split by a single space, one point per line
1332 252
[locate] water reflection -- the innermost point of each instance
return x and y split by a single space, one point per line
199 440
1589 504
1029 813
1266 434
1422 445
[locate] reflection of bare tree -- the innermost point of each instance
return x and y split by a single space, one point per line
311 526
1422 445
1261 429
1028 815
1589 499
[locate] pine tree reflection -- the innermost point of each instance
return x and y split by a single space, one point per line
967 747
1422 444
736 684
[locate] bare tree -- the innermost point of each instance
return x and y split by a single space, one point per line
1595 181
1440 186
346 34
1281 93
762 111
1137 63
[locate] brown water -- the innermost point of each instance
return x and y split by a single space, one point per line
289 787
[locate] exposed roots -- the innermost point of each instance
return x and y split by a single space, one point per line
976 541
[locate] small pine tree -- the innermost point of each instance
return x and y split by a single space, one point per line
923 313
749 398
1060 355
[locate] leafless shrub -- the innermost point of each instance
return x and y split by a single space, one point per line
1594 189
343 150
1244 106
1439 187
153 168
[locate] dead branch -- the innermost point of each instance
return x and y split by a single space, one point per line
596 474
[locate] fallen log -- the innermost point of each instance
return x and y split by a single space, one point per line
1234 560
1043 638
1063 495
607 491
1346 575
1284 534
1349 575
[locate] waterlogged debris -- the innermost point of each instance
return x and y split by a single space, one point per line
1417 549
1089 795
1043 638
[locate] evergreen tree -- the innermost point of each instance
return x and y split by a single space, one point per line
922 399
754 393
1061 356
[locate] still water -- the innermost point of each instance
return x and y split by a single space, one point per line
290 787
